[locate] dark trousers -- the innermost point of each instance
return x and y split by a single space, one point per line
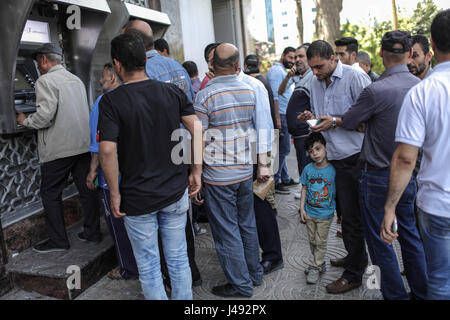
303 158
373 190
124 251
268 233
190 251
347 202
54 175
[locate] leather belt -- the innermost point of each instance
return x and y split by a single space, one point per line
367 166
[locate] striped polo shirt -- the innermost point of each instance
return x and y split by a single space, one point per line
226 108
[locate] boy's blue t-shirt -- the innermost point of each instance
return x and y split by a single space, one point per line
321 191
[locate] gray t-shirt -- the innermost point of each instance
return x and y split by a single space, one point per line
379 106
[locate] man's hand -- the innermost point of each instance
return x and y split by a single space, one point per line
115 206
325 125
305 116
90 180
293 72
386 227
263 173
20 118
303 216
195 183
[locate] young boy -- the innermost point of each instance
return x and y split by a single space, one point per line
318 202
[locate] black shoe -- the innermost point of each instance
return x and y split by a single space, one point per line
197 283
281 189
83 238
291 183
227 291
47 246
270 266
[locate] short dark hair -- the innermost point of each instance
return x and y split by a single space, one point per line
288 50
162 44
129 50
423 41
108 66
191 68
440 31
227 62
148 41
349 42
304 46
320 48
313 138
208 49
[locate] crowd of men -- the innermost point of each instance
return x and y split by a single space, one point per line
369 133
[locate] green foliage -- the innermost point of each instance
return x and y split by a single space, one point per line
369 37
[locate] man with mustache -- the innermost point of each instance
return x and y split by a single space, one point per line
420 63
276 76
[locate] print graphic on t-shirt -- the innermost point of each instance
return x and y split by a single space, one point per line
319 187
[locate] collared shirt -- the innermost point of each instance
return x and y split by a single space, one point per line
430 71
263 117
276 75
373 76
358 67
379 105
345 88
168 70
303 82
227 109
424 121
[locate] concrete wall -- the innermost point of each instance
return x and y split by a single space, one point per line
174 36
198 31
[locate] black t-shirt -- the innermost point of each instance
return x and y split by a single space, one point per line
271 100
141 117
298 103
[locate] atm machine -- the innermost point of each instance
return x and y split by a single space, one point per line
25 26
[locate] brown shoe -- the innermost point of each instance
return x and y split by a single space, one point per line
342 285
338 262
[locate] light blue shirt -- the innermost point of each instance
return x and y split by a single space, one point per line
263 117
346 85
276 76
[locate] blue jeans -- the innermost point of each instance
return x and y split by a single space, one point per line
233 226
285 149
436 242
143 233
373 189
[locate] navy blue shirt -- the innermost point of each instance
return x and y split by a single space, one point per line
379 106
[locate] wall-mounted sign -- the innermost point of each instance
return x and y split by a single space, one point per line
36 32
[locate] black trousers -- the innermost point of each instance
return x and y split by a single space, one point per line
118 232
268 232
54 176
347 201
303 158
190 251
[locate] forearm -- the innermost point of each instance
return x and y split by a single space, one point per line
401 172
277 113
95 162
303 199
283 85
110 167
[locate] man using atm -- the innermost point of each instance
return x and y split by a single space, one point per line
62 121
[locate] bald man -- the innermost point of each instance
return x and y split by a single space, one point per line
226 108
159 67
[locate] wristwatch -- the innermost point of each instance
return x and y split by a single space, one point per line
334 123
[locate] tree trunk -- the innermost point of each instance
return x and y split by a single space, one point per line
300 21
394 12
328 20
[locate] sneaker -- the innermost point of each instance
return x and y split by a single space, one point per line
83 238
308 270
313 276
281 189
291 183
47 246
197 229
298 196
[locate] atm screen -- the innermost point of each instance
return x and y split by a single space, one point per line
21 83
36 32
